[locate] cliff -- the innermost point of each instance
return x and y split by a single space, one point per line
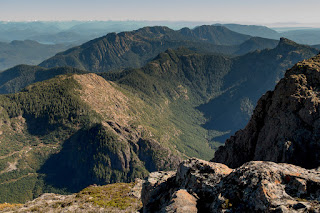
284 126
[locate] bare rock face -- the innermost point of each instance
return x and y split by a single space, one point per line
155 189
285 126
254 187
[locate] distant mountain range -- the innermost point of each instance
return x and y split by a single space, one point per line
26 52
77 32
253 30
301 36
68 34
134 49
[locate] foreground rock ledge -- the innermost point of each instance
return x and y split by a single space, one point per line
213 187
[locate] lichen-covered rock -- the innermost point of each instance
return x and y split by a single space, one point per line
156 190
254 187
266 186
182 202
200 177
285 126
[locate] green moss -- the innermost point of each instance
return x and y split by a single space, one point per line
113 195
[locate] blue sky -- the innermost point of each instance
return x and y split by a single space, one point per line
239 11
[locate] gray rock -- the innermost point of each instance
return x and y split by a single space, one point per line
156 190
254 187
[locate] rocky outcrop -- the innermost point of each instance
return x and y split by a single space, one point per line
285 125
213 187
119 197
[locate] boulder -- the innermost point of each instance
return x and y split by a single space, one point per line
256 186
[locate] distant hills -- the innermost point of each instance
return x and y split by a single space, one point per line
253 30
301 36
316 46
18 77
77 32
26 52
134 49
31 52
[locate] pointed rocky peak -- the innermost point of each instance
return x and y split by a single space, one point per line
173 55
285 43
285 126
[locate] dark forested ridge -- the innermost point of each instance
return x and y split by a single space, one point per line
135 48
26 52
18 77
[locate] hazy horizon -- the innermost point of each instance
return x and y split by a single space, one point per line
270 13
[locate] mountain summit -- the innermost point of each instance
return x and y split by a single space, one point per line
135 48
285 125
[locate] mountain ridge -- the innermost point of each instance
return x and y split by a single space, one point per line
27 52
135 48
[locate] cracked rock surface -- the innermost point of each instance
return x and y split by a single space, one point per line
256 186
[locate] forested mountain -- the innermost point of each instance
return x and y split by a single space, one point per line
317 46
18 77
135 48
253 30
26 52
